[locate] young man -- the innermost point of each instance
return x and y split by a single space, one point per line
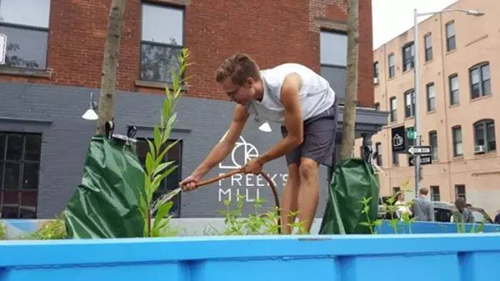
299 99
422 208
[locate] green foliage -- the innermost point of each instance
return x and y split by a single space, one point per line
258 223
51 230
366 211
156 168
3 231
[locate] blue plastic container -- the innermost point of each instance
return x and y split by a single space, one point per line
419 257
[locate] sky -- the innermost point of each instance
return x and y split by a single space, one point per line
393 17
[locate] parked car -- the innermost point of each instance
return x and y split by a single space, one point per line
443 211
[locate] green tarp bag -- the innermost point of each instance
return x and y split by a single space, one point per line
106 203
352 181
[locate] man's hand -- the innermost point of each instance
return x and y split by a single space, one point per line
190 183
254 166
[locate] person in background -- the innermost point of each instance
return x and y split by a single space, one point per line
402 206
462 214
422 208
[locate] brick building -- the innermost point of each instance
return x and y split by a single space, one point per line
458 104
54 60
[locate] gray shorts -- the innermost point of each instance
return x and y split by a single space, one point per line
319 138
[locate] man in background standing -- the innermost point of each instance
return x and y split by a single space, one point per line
422 208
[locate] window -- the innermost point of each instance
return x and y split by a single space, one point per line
392 65
454 94
460 191
395 190
395 158
431 97
394 109
457 141
450 36
409 103
160 46
408 56
27 31
172 181
333 59
428 46
435 196
484 135
433 141
376 70
378 149
480 84
377 106
19 166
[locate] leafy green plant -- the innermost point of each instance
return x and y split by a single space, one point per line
366 211
391 209
258 223
51 230
3 231
156 168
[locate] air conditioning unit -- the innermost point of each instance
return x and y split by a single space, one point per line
375 80
478 149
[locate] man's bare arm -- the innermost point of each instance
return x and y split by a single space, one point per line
220 150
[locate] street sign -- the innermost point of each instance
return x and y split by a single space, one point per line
398 139
3 47
424 160
419 150
410 133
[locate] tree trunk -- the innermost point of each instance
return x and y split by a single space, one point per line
110 64
347 148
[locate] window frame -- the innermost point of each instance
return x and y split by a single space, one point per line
451 38
408 63
158 44
395 158
433 193
378 149
460 194
428 48
456 142
431 101
394 109
434 145
21 162
454 93
481 83
410 108
484 123
45 30
376 70
391 68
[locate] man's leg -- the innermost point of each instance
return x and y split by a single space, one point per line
290 198
308 191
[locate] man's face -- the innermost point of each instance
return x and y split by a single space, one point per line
240 94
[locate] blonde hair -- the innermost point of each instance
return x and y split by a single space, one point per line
239 67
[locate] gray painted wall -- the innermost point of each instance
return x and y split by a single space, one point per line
55 111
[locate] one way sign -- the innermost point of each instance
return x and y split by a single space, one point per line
419 150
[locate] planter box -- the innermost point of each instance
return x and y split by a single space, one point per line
452 257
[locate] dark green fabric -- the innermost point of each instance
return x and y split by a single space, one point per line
352 181
106 203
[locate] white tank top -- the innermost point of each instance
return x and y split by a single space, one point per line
315 95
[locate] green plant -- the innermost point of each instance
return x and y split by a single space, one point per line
51 230
258 223
156 168
3 231
366 211
391 209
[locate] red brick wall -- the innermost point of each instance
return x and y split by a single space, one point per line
272 32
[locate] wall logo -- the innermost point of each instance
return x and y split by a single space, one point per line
241 184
